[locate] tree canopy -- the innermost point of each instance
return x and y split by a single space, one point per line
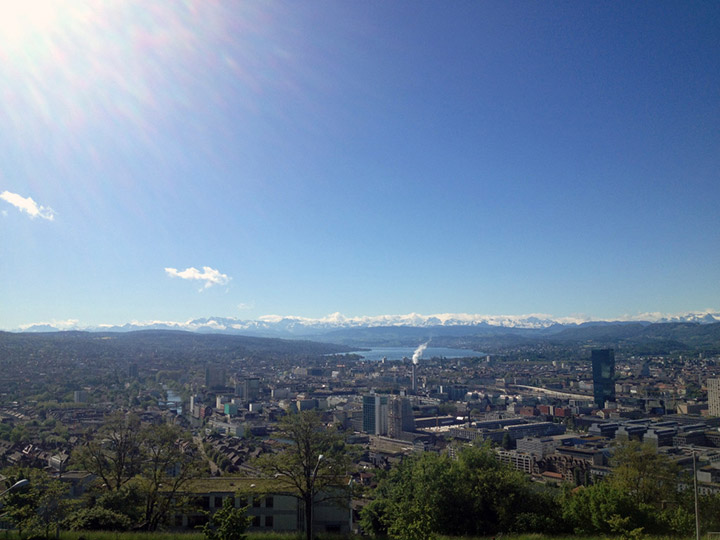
145 465
39 507
227 523
473 495
641 495
312 464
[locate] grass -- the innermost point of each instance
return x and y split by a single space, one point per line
534 536
108 535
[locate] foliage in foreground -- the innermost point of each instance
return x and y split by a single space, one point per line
142 468
474 495
227 523
144 535
430 495
641 496
313 464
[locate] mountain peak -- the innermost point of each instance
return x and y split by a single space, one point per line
296 326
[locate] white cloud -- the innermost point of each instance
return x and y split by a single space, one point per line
26 204
246 305
209 275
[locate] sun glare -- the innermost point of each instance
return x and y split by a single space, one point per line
24 21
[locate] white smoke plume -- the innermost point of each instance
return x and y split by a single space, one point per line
417 355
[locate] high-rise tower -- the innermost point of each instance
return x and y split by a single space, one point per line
400 417
375 414
603 369
214 377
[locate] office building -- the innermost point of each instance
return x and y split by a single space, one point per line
251 389
375 414
713 386
214 377
400 417
603 369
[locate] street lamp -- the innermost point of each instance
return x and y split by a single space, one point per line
312 495
695 489
16 485
320 458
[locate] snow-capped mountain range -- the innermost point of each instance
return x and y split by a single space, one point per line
292 326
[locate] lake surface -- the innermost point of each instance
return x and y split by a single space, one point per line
398 353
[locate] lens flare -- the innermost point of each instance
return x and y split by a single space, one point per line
24 22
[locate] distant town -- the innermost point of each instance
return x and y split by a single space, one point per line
552 409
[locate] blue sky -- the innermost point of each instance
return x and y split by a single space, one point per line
368 158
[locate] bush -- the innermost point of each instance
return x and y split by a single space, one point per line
97 519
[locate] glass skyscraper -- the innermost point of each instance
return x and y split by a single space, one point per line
603 367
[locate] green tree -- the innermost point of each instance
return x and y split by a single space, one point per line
114 453
115 510
97 518
227 523
126 501
38 508
647 476
313 465
474 495
710 512
506 441
412 500
588 510
651 480
152 462
167 467
641 495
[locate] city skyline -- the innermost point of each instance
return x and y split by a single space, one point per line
306 160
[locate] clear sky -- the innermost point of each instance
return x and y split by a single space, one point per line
171 160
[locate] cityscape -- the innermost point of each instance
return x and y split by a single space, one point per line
555 411
321 269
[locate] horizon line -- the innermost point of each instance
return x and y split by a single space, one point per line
409 319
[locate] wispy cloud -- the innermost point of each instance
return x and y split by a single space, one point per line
26 204
209 275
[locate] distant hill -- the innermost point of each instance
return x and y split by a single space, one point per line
610 332
160 344
640 337
632 337
661 337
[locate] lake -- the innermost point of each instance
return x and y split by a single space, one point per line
398 353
